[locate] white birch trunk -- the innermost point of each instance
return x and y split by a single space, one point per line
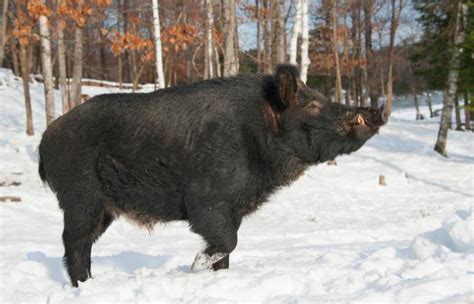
47 69
209 72
296 30
304 41
25 74
393 31
62 69
158 53
336 53
453 76
231 61
280 31
76 86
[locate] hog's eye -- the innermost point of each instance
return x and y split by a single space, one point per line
314 108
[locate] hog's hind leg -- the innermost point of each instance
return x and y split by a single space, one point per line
104 222
84 221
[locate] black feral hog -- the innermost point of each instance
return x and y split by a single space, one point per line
209 152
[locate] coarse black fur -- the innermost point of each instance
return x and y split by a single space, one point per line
209 152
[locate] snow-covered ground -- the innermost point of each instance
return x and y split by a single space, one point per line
335 235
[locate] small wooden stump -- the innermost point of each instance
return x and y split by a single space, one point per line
382 180
13 199
7 184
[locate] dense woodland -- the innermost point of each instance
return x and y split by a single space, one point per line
355 52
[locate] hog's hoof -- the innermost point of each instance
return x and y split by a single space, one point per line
203 261
81 276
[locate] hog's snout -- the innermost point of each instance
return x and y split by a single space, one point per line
383 116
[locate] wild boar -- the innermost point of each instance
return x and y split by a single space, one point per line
209 152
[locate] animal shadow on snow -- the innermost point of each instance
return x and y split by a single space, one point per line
127 261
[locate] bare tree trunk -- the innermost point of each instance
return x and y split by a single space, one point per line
126 54
295 32
457 112
355 49
4 37
467 113
208 50
335 51
428 101
217 61
158 53
16 64
133 63
47 69
280 53
354 90
267 39
236 42
367 72
382 81
32 58
77 69
231 61
259 34
453 76
304 48
419 116
393 30
25 74
102 54
119 56
62 69
348 91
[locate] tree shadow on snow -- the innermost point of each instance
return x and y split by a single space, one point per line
54 265
413 177
127 261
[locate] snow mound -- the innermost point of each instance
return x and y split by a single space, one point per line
455 235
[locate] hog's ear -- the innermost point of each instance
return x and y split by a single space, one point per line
287 77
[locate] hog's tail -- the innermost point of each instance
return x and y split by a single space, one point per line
41 171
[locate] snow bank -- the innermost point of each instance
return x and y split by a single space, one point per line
455 235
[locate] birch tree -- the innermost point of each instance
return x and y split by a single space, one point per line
157 40
208 52
395 19
62 66
76 86
295 32
23 36
231 61
4 38
47 68
453 76
279 31
367 72
335 50
267 39
259 35
25 75
304 49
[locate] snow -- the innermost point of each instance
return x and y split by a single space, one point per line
335 235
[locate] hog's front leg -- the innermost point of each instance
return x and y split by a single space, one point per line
218 226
